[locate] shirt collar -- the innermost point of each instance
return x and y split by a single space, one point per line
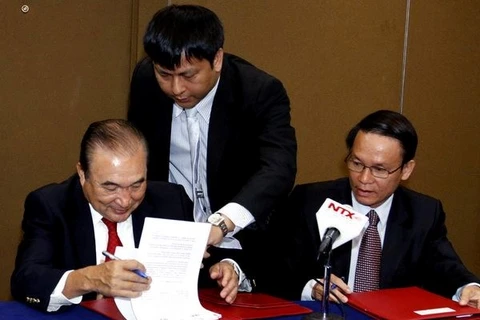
382 211
204 106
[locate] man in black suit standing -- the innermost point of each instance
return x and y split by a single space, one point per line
59 261
240 159
413 249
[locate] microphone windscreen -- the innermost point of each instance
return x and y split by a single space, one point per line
340 216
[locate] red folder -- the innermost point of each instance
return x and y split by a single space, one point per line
105 307
249 305
401 304
246 306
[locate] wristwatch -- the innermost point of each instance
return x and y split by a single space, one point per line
216 219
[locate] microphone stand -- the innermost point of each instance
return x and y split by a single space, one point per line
327 271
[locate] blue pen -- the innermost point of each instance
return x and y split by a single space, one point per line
332 287
113 257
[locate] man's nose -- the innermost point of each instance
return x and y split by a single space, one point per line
366 175
123 197
177 86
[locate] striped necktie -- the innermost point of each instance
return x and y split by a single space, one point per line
193 127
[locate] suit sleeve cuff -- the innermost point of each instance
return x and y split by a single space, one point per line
456 296
307 291
244 284
57 299
239 215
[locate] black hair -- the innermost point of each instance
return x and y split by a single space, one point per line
390 124
194 31
113 134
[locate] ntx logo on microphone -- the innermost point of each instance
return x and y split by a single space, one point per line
343 210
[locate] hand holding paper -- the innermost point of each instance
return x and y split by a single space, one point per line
171 252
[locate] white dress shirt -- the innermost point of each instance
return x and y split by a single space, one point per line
180 165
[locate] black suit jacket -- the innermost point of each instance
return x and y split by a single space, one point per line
416 251
59 236
251 156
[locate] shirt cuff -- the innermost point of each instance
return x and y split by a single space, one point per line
307 291
57 299
244 284
456 296
239 215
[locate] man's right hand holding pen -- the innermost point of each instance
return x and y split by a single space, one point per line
338 289
112 279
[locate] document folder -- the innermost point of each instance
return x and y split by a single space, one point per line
246 306
249 305
106 307
409 303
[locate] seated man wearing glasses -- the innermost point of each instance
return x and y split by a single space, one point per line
412 246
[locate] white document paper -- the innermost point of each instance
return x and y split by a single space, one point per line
172 253
427 312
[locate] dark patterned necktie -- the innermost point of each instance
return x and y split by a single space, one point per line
113 239
367 274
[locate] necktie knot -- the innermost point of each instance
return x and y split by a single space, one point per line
111 226
191 113
373 218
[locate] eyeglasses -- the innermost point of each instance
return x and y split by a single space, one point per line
378 172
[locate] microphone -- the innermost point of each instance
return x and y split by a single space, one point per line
327 241
338 223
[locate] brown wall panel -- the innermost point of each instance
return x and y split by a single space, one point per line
146 10
443 100
64 64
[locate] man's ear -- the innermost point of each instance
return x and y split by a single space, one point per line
218 60
80 173
407 169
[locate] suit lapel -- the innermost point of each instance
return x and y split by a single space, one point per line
219 127
396 239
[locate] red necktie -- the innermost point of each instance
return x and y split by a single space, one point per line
367 274
113 239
